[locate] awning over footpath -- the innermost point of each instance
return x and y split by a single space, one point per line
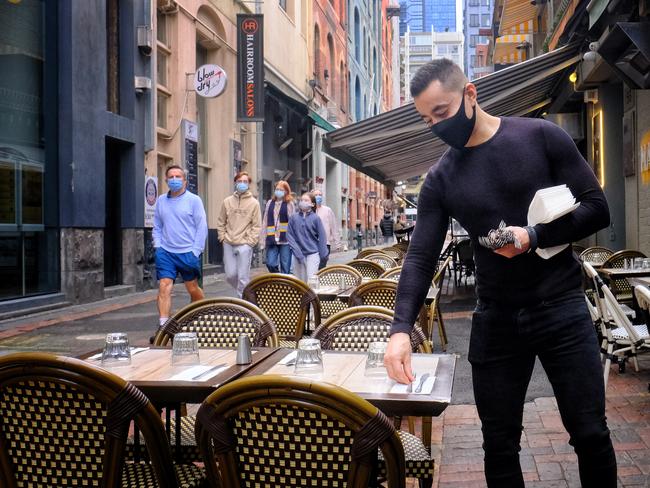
397 145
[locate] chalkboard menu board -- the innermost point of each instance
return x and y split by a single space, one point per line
190 151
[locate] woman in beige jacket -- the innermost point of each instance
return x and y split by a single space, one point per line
238 227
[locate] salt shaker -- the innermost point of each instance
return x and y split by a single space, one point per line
244 354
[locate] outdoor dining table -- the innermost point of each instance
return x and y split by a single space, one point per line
619 273
639 281
169 386
335 293
347 370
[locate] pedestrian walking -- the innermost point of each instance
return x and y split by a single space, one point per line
527 307
386 225
179 233
332 227
307 238
275 223
238 227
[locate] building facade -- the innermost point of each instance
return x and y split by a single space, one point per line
477 22
418 48
74 131
431 15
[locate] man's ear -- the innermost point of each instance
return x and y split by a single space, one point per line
471 92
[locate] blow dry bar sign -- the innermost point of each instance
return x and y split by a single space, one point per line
250 68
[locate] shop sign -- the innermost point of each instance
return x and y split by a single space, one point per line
210 81
150 198
250 68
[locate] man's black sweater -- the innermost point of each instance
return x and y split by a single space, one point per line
494 181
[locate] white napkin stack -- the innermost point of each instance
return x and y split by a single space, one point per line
547 205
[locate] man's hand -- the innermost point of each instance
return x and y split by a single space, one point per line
398 358
510 251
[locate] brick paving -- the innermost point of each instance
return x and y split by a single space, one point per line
547 459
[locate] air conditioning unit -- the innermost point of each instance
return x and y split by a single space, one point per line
332 112
591 96
142 84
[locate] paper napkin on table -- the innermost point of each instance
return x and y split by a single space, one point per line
547 205
190 373
288 357
427 387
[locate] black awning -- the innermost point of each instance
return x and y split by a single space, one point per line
397 145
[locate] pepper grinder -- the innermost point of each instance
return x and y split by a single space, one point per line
244 354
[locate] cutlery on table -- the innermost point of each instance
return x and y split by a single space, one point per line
421 384
409 388
213 368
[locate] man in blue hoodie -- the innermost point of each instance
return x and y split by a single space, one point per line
179 233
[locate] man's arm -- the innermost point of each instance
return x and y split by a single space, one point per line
570 168
201 228
156 233
221 222
415 279
256 224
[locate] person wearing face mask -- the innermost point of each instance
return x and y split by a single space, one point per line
332 228
307 238
179 233
275 222
528 307
238 227
386 225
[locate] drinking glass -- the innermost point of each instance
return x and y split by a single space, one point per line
646 264
116 350
313 282
375 359
342 285
185 349
309 360
638 263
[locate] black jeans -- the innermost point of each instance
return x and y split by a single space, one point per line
502 351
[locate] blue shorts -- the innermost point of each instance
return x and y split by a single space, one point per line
169 264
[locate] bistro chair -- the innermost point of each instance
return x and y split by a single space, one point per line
394 252
630 339
276 431
403 245
366 252
379 292
596 255
331 276
64 423
354 329
392 274
435 314
621 288
368 269
464 261
383 260
578 249
286 300
218 322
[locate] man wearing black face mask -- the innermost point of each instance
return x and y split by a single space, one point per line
527 306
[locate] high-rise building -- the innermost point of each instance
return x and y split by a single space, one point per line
477 30
431 15
418 48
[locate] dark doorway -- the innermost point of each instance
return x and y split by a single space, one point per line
113 224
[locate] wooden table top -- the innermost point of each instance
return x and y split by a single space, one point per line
347 369
618 273
334 293
153 373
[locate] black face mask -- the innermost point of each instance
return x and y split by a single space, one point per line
456 130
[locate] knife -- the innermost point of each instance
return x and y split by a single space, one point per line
421 384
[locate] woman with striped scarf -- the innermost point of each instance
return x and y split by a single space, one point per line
274 229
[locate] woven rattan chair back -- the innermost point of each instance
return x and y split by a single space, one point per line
366 252
218 322
439 277
394 252
404 245
368 269
383 260
578 249
596 254
353 329
392 274
276 431
65 423
621 288
331 276
286 300
380 293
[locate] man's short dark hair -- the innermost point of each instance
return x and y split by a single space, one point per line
171 167
444 70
